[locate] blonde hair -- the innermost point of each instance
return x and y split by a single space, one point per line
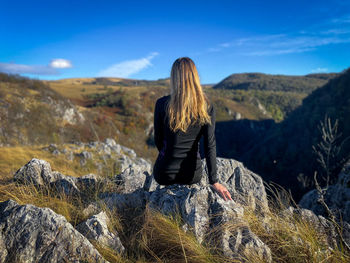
188 103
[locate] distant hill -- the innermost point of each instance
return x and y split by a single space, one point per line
259 81
31 113
285 153
128 82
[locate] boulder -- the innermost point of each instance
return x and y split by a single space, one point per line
96 228
137 199
38 173
134 177
337 197
32 234
203 210
245 187
324 227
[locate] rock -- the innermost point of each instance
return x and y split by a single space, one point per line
84 156
245 187
337 198
202 209
137 199
92 145
36 172
104 149
237 116
134 177
89 180
242 241
151 184
65 184
324 227
95 228
39 173
91 209
128 151
32 234
110 142
125 162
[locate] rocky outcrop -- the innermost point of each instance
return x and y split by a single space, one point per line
33 234
201 207
202 210
246 187
38 173
337 197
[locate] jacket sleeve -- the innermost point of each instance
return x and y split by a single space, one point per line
210 147
158 126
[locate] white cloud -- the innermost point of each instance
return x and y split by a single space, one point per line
319 70
12 68
60 63
127 68
51 69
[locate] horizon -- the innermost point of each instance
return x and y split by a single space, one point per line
60 40
59 79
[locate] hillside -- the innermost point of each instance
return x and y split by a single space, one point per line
285 152
259 81
32 113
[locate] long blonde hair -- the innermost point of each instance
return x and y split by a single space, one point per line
188 102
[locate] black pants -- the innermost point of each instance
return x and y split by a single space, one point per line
169 179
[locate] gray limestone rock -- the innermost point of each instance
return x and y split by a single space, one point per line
96 228
324 227
245 187
32 234
202 210
39 173
36 172
137 199
128 151
337 198
134 177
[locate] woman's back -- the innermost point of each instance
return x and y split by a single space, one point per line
179 159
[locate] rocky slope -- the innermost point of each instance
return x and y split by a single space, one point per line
33 234
285 152
32 113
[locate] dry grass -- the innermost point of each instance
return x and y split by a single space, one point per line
12 158
70 208
164 239
292 238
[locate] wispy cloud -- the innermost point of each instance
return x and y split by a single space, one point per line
127 68
51 69
279 44
341 20
329 32
319 70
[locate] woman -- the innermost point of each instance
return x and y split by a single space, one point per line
180 119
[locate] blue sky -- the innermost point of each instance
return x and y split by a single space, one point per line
141 39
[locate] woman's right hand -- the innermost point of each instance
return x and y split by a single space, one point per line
222 191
